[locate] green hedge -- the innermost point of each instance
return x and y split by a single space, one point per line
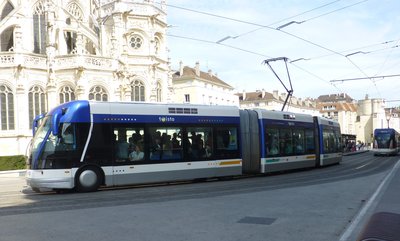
12 163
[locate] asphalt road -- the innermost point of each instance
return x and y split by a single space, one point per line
314 204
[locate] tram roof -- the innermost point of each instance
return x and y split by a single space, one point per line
143 108
283 115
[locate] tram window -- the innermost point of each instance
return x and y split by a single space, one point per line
121 144
272 141
338 141
310 141
165 144
330 145
199 143
298 141
286 144
100 147
136 143
67 137
226 142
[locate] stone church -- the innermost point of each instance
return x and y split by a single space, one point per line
54 51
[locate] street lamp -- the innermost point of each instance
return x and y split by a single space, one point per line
388 115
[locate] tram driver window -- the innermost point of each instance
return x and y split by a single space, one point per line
66 137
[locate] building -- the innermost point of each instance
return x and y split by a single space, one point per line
373 114
191 85
341 108
54 51
275 101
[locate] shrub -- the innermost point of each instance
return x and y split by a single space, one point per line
12 163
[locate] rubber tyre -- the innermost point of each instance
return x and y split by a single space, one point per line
88 179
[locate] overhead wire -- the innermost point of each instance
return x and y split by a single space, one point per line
387 57
268 27
285 32
336 10
279 21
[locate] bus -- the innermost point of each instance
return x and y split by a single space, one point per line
85 145
386 142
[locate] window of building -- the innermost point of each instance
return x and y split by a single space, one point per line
158 92
98 93
7 36
157 46
37 102
7 39
137 91
66 94
75 11
6 108
187 98
70 41
8 7
135 41
39 28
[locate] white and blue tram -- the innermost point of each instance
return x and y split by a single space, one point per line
386 142
85 145
329 141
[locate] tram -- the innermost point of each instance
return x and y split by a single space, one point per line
386 142
83 145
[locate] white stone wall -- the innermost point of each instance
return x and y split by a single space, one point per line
113 67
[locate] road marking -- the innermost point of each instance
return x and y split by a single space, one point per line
362 166
346 235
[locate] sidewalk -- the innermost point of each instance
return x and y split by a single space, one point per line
13 173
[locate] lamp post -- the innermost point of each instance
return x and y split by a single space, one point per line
388 115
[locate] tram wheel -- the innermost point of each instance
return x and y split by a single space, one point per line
88 179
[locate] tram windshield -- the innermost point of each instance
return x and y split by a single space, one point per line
40 136
383 140
46 144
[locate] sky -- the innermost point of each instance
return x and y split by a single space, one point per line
331 47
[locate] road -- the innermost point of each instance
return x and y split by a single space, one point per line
315 204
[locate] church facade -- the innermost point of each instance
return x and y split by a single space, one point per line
55 51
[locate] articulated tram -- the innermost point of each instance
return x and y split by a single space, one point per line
386 142
83 145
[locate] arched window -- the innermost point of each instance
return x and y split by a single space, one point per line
7 39
75 11
157 46
6 108
75 15
7 9
98 93
39 28
137 91
158 92
37 102
66 94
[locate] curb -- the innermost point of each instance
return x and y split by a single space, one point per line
14 173
354 153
